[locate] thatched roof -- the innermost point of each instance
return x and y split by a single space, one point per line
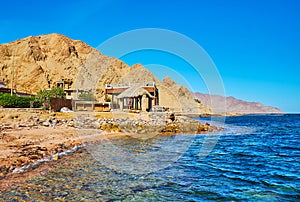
134 91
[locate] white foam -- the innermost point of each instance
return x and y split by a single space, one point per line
46 159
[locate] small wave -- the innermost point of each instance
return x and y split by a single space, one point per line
241 178
291 148
227 170
285 176
230 129
238 130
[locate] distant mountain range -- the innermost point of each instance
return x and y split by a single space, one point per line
233 105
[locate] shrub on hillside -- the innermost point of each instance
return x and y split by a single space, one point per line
86 96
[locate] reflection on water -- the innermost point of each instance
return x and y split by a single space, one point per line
257 164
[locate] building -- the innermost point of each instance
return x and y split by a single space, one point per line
132 96
3 89
66 85
2 85
75 102
81 105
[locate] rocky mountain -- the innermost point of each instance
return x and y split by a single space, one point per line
234 105
36 63
39 62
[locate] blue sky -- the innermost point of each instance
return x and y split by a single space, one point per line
254 44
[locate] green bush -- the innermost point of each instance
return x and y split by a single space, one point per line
6 100
23 102
43 97
13 101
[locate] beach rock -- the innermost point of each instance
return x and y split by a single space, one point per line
34 157
55 157
3 170
171 128
111 127
23 124
169 121
71 124
171 117
46 123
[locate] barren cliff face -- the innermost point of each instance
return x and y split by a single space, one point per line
39 62
36 63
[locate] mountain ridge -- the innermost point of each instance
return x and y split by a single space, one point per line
235 105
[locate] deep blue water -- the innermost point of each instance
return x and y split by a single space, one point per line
256 158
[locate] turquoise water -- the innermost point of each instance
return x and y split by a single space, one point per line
255 159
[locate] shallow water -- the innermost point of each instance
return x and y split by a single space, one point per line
256 158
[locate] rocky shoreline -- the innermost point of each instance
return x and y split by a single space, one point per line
28 136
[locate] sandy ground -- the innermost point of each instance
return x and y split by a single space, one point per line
24 146
21 144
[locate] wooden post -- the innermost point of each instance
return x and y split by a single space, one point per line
136 103
140 98
121 103
144 103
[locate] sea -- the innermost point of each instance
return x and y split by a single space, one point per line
255 158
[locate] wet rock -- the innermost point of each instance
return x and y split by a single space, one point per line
171 128
111 127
